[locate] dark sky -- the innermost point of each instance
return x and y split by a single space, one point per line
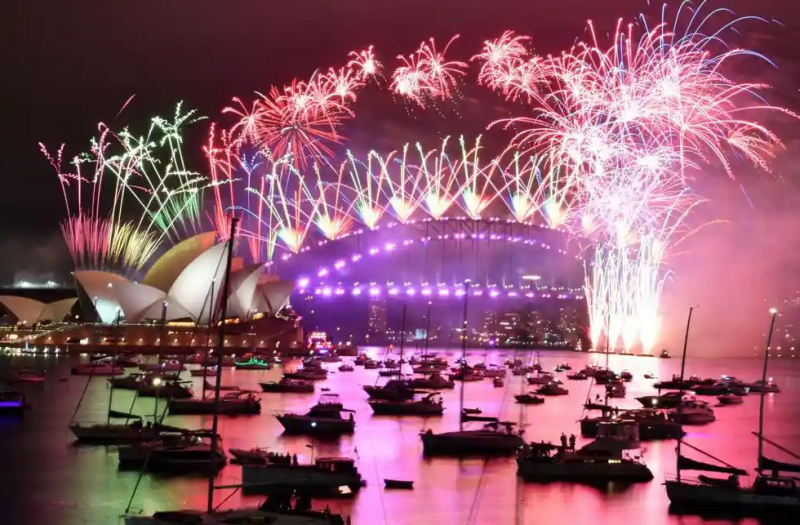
69 64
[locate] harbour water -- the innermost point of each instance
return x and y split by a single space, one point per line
47 479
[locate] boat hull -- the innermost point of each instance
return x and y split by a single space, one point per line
389 408
583 471
294 424
727 498
264 479
451 444
200 407
277 388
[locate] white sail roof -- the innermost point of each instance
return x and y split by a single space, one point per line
100 288
57 310
168 267
242 289
27 311
271 296
193 289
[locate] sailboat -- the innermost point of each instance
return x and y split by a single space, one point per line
770 491
495 439
277 510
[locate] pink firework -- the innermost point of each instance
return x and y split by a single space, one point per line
364 64
426 75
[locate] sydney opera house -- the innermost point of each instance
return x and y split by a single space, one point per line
177 304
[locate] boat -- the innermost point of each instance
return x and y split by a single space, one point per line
466 374
12 403
394 389
428 368
578 376
346 367
174 452
763 386
563 367
668 400
616 390
389 372
770 494
209 371
26 376
434 381
276 510
495 439
228 388
133 380
676 383
429 405
529 399
127 360
230 404
253 364
97 369
171 365
370 364
723 386
600 461
398 484
494 372
165 389
692 412
590 371
664 354
310 374
552 389
605 376
324 418
652 424
626 376
361 359
474 414
132 431
325 477
286 385
498 382
525 370
729 399
650 375
541 378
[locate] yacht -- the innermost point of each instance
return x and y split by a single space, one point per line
723 386
323 418
430 405
552 389
729 399
232 403
174 452
668 400
466 374
433 381
677 384
493 372
692 412
529 399
615 390
286 385
600 461
495 439
763 386
541 378
346 367
309 374
133 430
578 376
653 425
325 477
276 510
429 368
394 389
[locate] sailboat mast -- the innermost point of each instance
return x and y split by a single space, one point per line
402 342
680 395
427 329
463 356
774 313
220 352
113 375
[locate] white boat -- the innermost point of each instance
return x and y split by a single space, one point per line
692 412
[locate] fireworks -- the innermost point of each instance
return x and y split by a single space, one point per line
426 76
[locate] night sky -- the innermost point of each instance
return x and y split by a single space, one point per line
70 64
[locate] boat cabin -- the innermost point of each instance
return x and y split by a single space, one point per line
336 465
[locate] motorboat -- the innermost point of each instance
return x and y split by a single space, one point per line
552 389
131 431
394 389
253 364
652 424
97 369
513 363
677 384
529 399
171 365
525 370
389 372
398 484
541 378
324 418
346 367
276 510
26 376
498 382
222 388
310 374
434 381
165 389
12 403
692 412
325 477
291 386
495 439
133 380
370 364
724 385
466 374
578 376
664 354
729 399
209 371
600 461
626 376
429 405
590 371
616 390
230 404
650 375
493 371
474 414
361 359
563 367
668 400
428 368
174 452
604 376
763 386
